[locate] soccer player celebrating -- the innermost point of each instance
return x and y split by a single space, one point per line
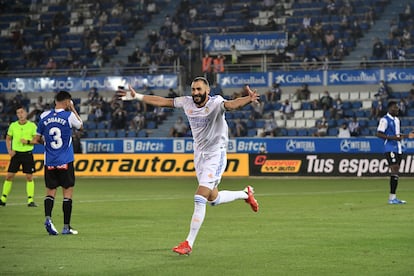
389 130
55 129
205 114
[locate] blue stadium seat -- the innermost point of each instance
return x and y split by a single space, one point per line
251 132
349 113
365 132
303 132
132 133
292 132
332 132
250 124
142 133
260 123
151 124
90 134
405 122
373 123
101 125
283 132
357 105
91 125
111 134
120 133
363 123
101 133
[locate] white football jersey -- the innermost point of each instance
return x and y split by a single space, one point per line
207 123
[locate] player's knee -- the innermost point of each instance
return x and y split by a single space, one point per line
199 199
215 202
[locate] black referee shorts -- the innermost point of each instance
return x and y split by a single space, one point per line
24 159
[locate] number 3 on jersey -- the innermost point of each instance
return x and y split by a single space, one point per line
57 138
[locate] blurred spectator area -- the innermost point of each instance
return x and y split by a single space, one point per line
69 20
357 104
37 22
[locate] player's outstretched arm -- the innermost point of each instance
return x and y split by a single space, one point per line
410 135
131 94
242 101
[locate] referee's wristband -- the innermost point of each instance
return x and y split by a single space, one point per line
28 142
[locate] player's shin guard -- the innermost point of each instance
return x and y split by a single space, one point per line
228 196
30 188
48 202
67 210
197 219
393 184
7 186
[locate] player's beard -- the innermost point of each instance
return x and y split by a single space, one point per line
199 99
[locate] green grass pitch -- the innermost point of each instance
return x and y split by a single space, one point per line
128 226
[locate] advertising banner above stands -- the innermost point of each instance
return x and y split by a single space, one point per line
164 81
244 42
317 78
233 80
239 145
297 78
393 76
354 77
240 79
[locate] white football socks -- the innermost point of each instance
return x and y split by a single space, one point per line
198 218
228 196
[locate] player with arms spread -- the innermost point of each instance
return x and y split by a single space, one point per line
210 133
55 128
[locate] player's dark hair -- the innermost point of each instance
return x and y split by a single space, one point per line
203 79
391 103
63 95
18 106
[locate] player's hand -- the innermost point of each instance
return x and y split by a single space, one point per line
411 135
129 94
123 94
254 96
71 106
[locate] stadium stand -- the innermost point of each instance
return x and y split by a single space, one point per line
56 28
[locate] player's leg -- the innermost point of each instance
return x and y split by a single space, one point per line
49 202
8 182
68 183
67 211
228 196
225 196
7 186
51 184
206 166
28 168
197 219
394 161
